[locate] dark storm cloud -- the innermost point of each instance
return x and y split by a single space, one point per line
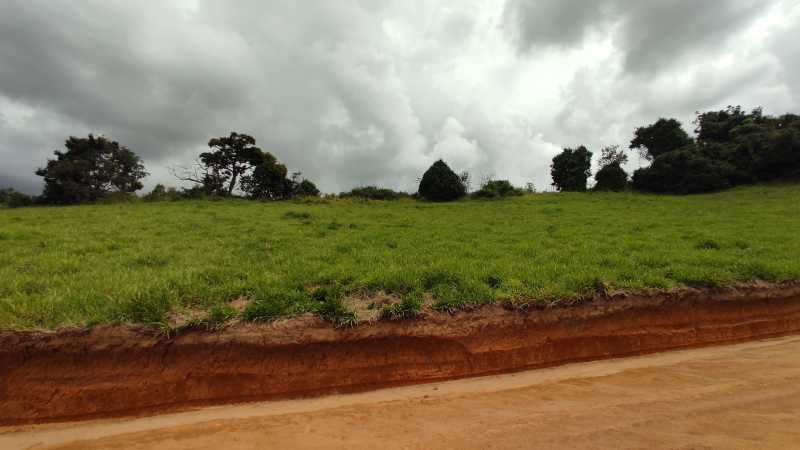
360 92
559 23
651 34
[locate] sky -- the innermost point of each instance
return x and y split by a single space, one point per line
360 92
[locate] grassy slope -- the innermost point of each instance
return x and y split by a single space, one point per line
137 262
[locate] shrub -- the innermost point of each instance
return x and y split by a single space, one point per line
161 193
15 199
496 189
441 184
373 193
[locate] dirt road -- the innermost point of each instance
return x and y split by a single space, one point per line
739 396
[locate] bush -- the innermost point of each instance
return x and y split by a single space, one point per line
306 188
496 189
440 184
160 193
684 171
374 193
611 178
15 199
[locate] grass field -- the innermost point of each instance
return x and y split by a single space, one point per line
147 262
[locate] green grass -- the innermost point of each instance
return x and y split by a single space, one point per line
138 263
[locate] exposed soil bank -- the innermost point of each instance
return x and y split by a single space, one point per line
115 371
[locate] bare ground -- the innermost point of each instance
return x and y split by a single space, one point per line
104 372
737 396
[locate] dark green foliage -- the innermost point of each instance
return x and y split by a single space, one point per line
659 138
90 169
235 162
720 126
733 147
440 184
571 168
497 189
611 176
373 193
230 158
758 147
684 171
306 188
268 179
161 193
12 198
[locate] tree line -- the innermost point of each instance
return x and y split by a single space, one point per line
731 147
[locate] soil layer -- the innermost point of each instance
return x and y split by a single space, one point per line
107 371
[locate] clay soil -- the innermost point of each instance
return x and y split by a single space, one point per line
742 396
103 372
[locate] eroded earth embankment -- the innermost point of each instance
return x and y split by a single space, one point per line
97 372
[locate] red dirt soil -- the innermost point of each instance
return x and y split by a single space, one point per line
108 371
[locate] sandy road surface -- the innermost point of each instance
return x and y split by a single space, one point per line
739 396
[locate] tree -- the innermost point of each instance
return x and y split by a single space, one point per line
661 137
268 179
230 158
571 168
611 176
306 188
90 169
683 171
440 184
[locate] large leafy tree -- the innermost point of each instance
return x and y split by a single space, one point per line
268 179
229 159
440 184
663 136
90 169
571 168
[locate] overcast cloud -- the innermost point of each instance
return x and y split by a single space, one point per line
372 92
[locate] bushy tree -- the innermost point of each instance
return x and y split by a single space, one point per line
611 176
719 126
440 184
496 189
268 179
230 158
683 171
665 135
90 169
571 168
306 188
